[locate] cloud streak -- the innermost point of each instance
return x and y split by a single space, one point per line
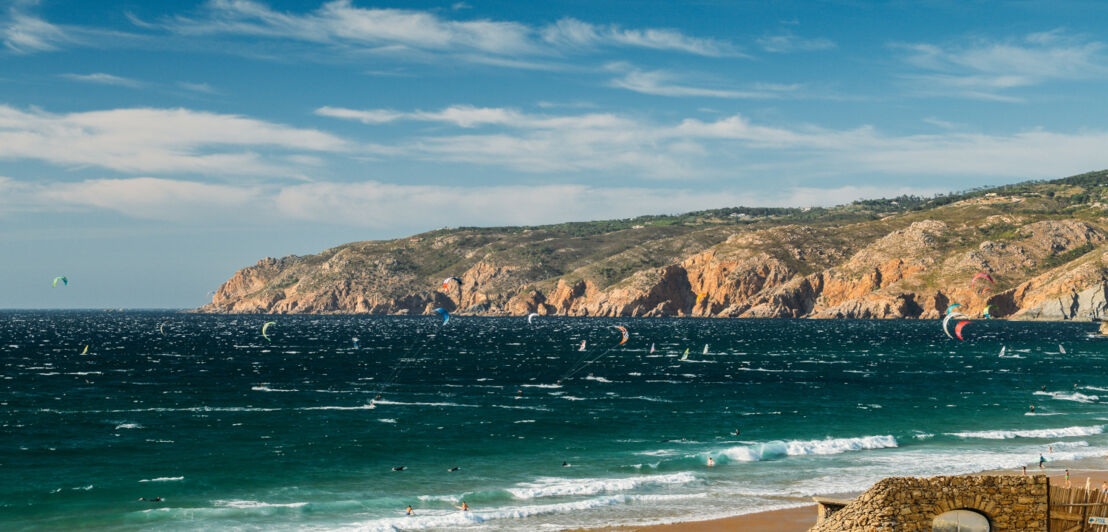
158 140
345 27
992 70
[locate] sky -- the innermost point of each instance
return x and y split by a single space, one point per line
148 150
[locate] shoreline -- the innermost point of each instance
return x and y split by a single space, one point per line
803 517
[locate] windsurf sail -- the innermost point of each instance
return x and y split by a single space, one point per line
651 347
705 349
1002 349
685 356
62 279
356 346
1061 349
265 328
626 335
85 352
582 348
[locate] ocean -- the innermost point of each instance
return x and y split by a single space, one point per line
235 432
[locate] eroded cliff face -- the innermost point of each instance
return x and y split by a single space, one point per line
907 267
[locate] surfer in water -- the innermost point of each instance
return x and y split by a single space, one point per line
453 469
399 468
464 507
565 463
410 511
155 499
1032 407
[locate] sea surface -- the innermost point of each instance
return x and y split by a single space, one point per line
235 432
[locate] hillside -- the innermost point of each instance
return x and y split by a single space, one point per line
1045 243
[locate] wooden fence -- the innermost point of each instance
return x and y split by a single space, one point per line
1071 508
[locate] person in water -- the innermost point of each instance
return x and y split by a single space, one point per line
711 462
464 507
155 499
410 511
453 469
399 468
736 432
1042 460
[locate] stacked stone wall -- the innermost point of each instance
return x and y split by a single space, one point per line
899 504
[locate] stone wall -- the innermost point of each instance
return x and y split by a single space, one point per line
1011 503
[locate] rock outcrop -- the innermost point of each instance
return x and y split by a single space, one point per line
1047 263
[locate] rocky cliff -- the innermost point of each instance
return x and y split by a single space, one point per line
1044 244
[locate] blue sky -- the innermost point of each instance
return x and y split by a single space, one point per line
150 149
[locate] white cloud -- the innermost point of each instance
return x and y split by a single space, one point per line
788 42
573 33
985 69
727 146
105 79
659 83
387 206
157 140
22 32
197 87
344 26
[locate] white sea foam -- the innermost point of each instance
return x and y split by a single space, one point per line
452 520
415 403
369 406
1071 396
597 379
128 426
563 487
386 420
162 479
778 449
241 504
268 389
540 385
1063 432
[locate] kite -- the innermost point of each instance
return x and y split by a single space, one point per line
626 335
446 282
445 315
63 279
958 329
266 328
531 316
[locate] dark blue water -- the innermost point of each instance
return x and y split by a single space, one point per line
237 432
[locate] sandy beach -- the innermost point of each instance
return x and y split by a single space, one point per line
802 518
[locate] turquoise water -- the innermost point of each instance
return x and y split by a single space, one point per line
235 432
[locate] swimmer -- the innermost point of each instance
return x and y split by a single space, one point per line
711 462
410 511
155 499
453 469
399 468
464 507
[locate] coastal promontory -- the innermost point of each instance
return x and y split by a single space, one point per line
1043 244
